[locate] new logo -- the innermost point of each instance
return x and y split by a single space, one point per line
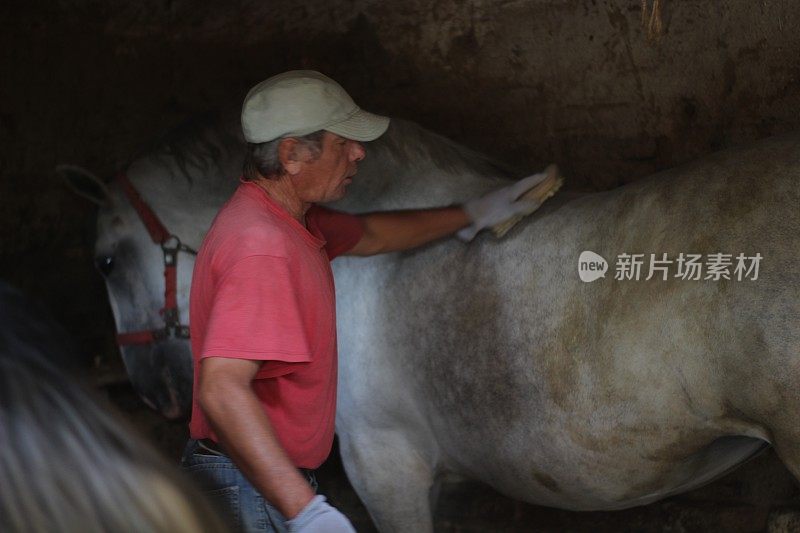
591 266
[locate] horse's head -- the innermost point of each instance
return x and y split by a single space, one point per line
157 358
148 225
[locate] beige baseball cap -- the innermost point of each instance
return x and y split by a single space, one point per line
300 102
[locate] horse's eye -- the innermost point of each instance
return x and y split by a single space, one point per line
105 264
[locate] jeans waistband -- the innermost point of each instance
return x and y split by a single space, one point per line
215 448
211 446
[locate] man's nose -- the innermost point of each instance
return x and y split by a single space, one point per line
357 152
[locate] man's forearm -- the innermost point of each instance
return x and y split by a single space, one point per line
391 231
239 421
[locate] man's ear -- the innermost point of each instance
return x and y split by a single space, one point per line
289 155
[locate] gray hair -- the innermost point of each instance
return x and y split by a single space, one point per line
263 159
67 464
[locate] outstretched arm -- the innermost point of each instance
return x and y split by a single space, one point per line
392 231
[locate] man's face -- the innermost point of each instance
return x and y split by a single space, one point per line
325 178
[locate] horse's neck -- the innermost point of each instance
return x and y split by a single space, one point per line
410 167
185 198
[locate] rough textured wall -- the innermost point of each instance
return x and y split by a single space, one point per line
571 81
576 82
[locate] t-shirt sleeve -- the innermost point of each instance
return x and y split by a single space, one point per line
256 314
341 230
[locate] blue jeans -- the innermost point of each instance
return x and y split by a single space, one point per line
236 500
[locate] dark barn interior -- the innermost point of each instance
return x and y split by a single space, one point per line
611 90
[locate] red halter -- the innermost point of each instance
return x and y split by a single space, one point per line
170 245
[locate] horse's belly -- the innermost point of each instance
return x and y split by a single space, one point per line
550 470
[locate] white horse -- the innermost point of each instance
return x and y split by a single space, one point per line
493 360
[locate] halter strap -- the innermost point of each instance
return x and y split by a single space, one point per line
170 245
158 232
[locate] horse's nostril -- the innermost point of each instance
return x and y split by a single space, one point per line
105 264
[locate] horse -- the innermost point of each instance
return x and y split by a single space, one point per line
495 360
68 464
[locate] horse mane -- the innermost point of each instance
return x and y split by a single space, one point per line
410 167
409 143
407 167
198 144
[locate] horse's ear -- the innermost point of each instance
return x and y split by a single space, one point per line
84 184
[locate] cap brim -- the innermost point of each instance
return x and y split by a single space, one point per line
361 126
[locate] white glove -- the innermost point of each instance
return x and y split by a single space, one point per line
500 205
319 517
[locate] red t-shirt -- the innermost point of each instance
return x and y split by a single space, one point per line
262 289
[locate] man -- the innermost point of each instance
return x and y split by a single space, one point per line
262 299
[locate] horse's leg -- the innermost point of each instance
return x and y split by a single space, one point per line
392 477
787 446
773 388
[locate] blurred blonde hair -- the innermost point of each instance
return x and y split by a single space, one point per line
68 464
